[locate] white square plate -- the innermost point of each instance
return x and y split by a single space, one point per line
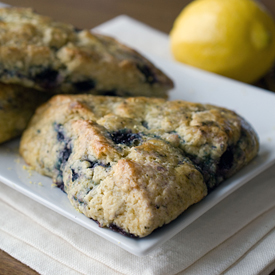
257 106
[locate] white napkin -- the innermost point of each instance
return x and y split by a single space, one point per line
237 236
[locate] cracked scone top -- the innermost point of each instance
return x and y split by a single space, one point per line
38 52
135 164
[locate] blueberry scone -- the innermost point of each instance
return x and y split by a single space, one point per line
135 164
17 105
37 52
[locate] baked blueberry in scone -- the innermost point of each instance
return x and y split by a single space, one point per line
136 164
41 53
17 105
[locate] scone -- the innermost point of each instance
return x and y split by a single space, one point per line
135 164
40 53
17 105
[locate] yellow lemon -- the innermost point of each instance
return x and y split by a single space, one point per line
234 38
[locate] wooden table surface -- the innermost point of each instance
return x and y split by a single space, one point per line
88 14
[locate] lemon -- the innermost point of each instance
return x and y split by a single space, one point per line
234 38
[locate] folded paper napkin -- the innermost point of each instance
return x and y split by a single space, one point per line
237 236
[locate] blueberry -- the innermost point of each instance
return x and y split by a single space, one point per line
59 129
59 181
226 160
93 164
207 167
47 79
75 176
125 136
65 154
121 231
84 86
145 124
147 72
109 93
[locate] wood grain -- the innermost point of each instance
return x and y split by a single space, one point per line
88 14
10 266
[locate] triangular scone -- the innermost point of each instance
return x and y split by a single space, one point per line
136 164
40 53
